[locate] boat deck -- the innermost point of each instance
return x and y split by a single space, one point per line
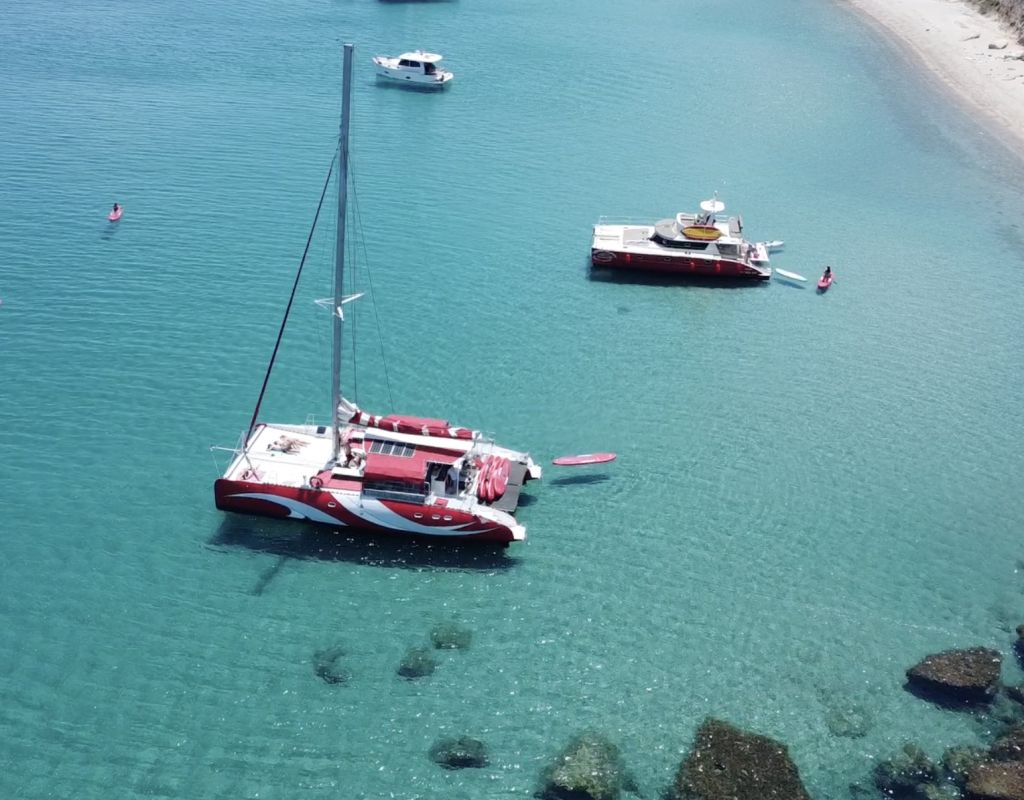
509 501
290 455
285 456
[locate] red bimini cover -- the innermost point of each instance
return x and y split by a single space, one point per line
396 468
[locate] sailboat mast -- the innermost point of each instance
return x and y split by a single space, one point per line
339 254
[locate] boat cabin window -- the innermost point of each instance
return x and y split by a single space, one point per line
678 243
394 490
392 448
429 69
728 249
404 62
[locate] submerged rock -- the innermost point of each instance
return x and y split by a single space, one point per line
329 666
459 752
958 676
859 791
589 768
449 636
906 773
959 761
418 662
851 721
1006 706
727 762
1010 746
996 780
940 791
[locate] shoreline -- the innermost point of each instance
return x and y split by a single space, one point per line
975 56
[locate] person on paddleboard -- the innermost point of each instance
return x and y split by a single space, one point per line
115 209
828 272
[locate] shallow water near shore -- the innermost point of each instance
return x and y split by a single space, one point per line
812 491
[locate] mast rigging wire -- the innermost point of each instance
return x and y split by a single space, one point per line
369 283
287 311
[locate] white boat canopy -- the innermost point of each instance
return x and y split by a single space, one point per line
419 55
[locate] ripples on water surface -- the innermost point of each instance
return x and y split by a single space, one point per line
811 492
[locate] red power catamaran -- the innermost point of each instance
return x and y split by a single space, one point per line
699 245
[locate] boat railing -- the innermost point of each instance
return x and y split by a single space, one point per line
644 221
235 451
484 445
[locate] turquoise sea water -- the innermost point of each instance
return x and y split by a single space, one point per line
812 492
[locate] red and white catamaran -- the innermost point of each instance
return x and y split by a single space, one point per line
701 245
392 474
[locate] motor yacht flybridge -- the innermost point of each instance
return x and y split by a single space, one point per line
387 474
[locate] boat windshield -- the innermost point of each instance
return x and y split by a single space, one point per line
429 68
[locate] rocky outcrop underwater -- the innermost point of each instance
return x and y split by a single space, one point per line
590 767
969 681
727 763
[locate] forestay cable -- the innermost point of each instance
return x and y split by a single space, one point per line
287 311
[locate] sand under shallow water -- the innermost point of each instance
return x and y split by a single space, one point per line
974 54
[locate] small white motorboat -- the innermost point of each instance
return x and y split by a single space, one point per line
415 68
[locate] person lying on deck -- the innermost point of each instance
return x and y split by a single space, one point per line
286 444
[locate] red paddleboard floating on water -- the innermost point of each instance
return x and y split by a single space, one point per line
589 458
116 215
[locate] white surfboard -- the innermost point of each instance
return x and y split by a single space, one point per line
792 275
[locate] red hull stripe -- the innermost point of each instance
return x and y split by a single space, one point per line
683 265
388 516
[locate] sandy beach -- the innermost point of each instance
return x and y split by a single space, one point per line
975 55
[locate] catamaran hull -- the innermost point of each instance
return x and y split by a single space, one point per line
681 265
349 510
